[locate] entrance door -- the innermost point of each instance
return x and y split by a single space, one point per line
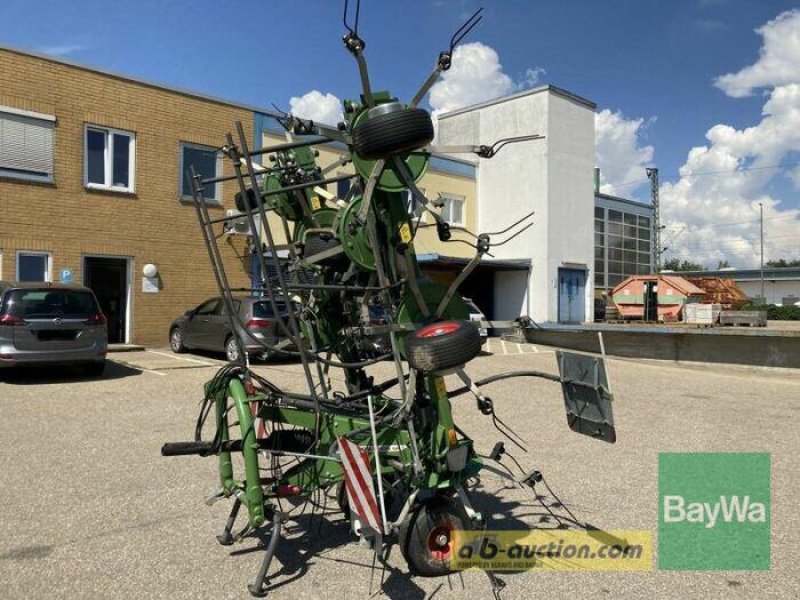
571 296
108 279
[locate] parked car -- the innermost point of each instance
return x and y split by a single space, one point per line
51 323
206 327
476 315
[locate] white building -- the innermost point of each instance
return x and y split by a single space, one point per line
552 177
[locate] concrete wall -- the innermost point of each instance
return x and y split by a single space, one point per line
510 295
552 177
571 159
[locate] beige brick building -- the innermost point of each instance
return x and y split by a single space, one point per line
107 199
91 190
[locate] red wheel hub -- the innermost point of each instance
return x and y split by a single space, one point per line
440 542
438 329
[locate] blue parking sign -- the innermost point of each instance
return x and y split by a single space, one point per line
66 275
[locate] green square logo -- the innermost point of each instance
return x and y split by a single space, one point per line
714 511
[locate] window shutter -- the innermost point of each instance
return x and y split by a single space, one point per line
26 144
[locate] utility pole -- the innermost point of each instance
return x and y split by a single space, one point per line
652 175
761 211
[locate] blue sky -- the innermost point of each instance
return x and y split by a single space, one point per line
641 59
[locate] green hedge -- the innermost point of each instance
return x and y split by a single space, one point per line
776 313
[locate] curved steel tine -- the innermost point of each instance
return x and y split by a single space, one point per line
468 26
344 18
505 241
514 224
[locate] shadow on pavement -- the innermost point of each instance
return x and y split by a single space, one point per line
311 538
53 374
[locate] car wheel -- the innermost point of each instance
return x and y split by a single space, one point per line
443 345
176 340
231 349
393 133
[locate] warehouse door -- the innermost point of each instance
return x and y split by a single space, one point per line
571 296
108 279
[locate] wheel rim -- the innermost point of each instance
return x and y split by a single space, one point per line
438 329
176 339
232 351
440 543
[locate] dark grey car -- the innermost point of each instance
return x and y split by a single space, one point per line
206 327
50 323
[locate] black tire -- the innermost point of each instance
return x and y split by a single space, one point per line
176 340
443 345
422 534
393 133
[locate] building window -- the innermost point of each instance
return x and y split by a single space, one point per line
33 266
453 209
26 145
207 163
109 159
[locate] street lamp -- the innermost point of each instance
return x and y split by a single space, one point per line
761 212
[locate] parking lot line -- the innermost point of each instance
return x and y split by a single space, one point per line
199 362
151 371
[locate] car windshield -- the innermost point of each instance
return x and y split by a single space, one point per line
49 303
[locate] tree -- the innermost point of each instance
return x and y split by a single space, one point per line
723 264
675 264
782 262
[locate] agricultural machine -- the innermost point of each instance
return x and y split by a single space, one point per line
389 451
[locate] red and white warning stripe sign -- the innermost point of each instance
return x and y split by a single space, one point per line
258 425
358 482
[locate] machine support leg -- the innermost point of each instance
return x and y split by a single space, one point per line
259 588
226 538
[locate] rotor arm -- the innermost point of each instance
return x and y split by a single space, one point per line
445 60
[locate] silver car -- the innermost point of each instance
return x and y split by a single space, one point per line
49 323
476 316
206 327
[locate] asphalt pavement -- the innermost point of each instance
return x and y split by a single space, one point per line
90 509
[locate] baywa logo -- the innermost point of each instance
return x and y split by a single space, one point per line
714 511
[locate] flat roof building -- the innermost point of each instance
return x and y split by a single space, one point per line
91 188
551 178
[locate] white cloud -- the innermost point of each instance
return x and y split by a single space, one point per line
716 201
778 62
476 76
319 107
62 50
532 77
620 157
